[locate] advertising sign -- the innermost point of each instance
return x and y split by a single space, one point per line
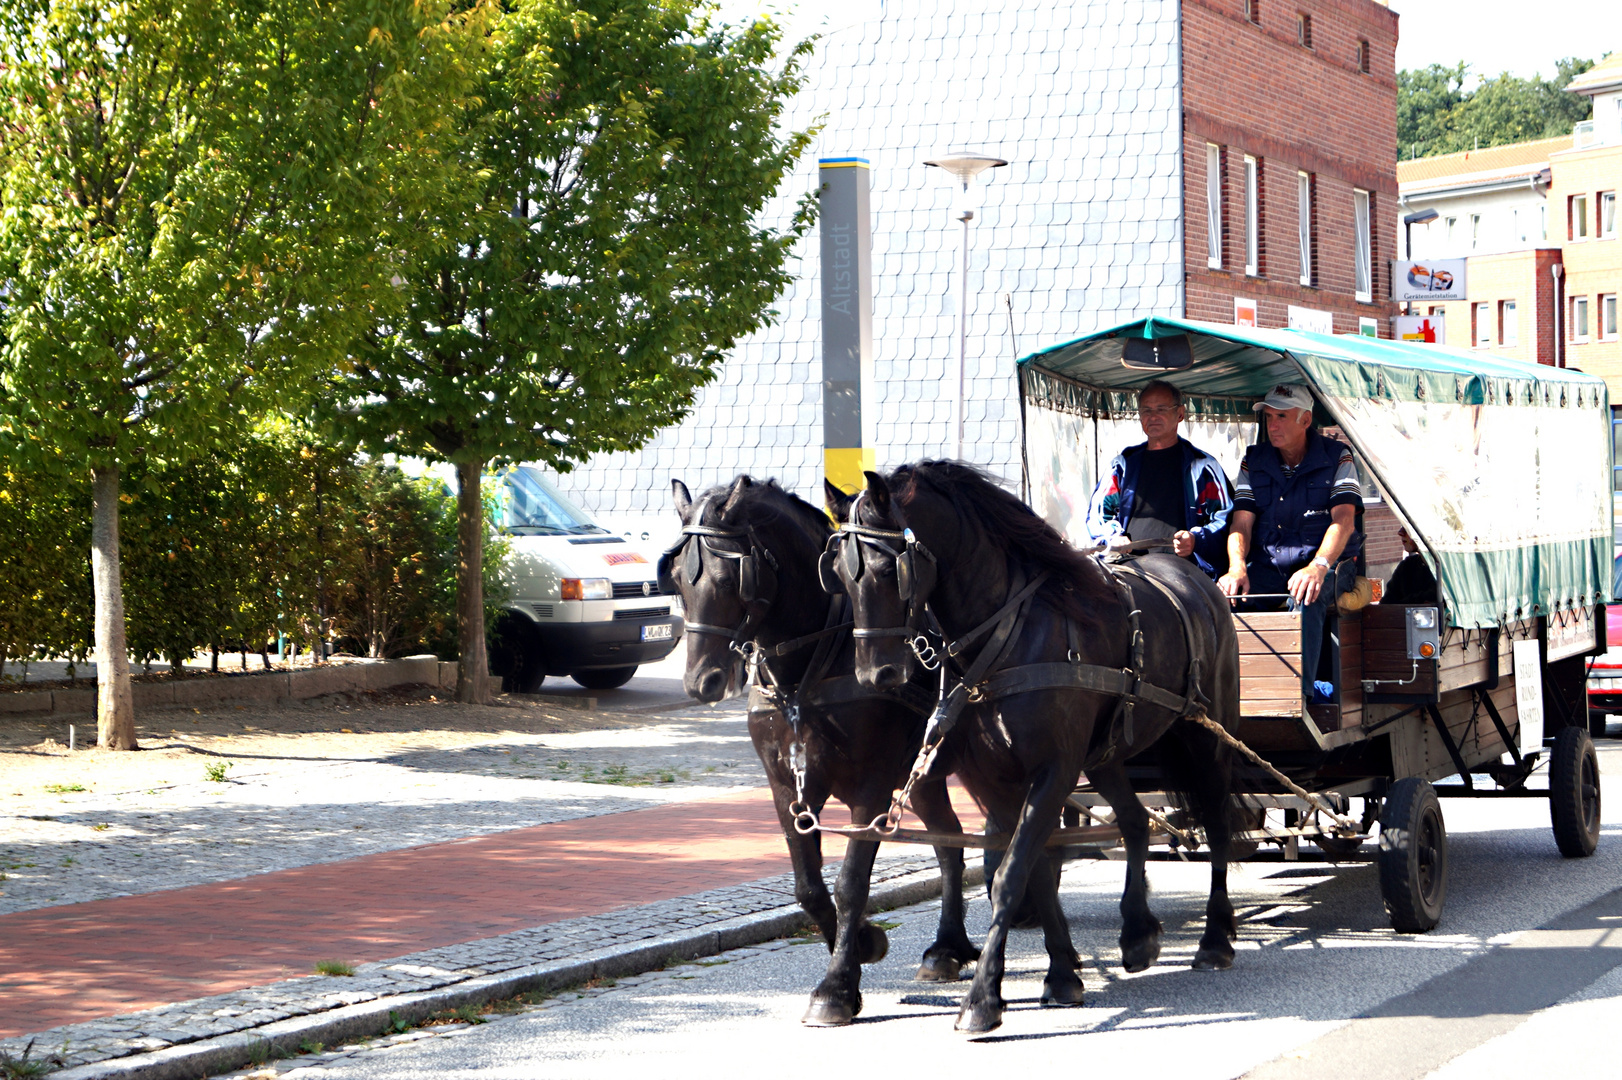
1311 320
1428 281
1529 693
1367 327
1431 329
1570 633
1244 312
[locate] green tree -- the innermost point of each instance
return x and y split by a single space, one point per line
1435 115
612 255
197 203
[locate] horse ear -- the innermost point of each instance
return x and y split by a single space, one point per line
683 497
837 501
739 486
878 491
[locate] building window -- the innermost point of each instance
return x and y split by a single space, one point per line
1213 206
1363 56
1303 30
1253 225
1303 195
1475 231
1362 255
1579 318
1577 218
1543 222
1607 317
1483 328
1253 11
1517 226
1607 215
1509 331
1452 232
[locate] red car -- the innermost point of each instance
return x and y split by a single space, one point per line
1605 670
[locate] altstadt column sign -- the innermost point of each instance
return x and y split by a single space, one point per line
847 316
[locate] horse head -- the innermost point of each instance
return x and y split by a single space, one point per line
738 555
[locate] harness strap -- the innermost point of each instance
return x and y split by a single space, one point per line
1194 693
954 648
1115 682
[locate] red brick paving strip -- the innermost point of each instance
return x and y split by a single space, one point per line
78 962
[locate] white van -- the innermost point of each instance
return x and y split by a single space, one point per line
584 602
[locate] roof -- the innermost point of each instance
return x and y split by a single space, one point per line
1245 362
1484 166
1605 75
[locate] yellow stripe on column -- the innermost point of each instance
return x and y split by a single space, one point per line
844 466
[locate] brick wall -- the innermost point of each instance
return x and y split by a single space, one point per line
1593 266
1521 276
1251 88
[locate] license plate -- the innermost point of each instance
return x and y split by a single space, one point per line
660 632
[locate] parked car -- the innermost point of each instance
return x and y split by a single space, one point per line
1605 671
584 602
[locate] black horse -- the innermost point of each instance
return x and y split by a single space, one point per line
746 568
1051 678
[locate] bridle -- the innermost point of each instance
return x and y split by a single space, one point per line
757 572
915 571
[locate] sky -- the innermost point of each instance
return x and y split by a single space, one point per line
1494 36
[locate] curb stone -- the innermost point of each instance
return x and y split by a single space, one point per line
347 1023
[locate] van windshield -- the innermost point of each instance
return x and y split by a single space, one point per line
535 507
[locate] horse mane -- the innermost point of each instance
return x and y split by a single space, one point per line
764 502
1008 524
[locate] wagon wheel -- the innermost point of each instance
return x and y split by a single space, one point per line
1413 856
1574 793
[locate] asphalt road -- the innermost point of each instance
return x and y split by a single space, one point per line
1522 979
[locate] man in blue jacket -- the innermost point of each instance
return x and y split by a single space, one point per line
1164 488
1294 524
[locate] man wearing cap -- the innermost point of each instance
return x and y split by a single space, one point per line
1165 488
1294 524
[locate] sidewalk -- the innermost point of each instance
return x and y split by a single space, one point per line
547 905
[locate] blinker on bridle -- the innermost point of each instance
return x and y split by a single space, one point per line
914 568
757 570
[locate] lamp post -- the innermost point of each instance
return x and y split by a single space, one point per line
964 166
1418 217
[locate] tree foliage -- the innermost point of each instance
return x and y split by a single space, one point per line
1436 115
619 155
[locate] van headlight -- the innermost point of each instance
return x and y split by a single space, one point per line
592 588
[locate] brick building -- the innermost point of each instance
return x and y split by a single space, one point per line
1583 208
1107 112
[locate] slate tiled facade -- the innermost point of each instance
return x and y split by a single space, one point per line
1083 229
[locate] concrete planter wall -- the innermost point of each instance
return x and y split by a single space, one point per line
260 686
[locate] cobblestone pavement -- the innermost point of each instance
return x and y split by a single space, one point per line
277 812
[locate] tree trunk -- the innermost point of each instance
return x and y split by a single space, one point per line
115 706
471 672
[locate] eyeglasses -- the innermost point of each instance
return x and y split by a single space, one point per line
1159 410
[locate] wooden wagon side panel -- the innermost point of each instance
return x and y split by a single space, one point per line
1269 663
1417 748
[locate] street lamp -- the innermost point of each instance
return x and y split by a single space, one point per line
1418 217
965 166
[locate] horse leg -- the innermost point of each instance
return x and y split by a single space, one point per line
805 855
1200 766
1140 930
838 998
983 1007
944 960
1062 986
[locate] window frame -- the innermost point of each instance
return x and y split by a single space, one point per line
1509 324
1607 316
1362 246
1213 206
1606 229
1577 218
1578 330
1305 225
1303 29
1253 12
1475 232
1253 225
1481 331
1363 51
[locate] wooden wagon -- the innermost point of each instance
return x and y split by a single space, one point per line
1500 470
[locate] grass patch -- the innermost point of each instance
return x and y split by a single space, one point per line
308 1047
462 1014
711 963
216 770
600 982
64 789
886 924
335 967
398 1025
22 1068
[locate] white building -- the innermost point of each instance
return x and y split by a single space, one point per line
1488 202
1083 229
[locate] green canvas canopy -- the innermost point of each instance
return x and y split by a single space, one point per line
1501 468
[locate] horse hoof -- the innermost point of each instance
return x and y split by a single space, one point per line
979 1018
1140 956
873 942
1064 992
830 1013
1213 960
939 969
